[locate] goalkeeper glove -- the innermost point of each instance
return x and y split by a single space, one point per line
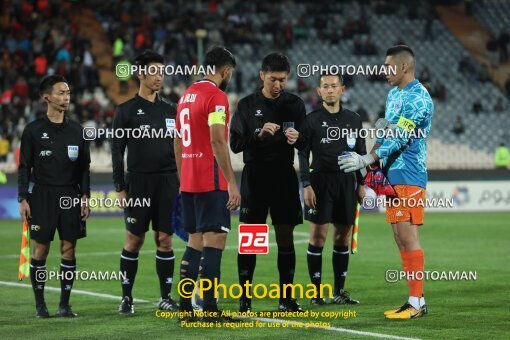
355 162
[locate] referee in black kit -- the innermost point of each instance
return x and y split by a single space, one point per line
151 174
54 155
265 128
330 194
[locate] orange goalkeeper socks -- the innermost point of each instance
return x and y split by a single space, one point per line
405 264
416 265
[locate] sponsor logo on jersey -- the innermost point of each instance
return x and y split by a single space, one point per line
45 136
258 113
140 112
45 153
325 141
192 155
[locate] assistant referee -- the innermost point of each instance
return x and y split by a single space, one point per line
54 155
330 194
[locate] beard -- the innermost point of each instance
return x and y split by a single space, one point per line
223 85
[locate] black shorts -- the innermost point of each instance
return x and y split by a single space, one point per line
49 214
336 198
162 190
205 211
273 189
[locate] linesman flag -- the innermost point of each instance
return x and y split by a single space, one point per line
354 236
24 256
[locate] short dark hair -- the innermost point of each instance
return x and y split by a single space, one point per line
219 57
397 49
325 74
275 62
46 84
149 56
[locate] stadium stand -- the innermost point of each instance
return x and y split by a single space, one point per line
339 33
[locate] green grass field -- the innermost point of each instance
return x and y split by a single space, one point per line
457 309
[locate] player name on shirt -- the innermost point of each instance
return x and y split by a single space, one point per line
188 98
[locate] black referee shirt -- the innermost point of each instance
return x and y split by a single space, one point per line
319 131
145 155
252 113
54 154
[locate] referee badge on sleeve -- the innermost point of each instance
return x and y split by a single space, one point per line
351 140
72 152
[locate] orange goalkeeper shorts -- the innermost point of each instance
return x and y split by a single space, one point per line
409 205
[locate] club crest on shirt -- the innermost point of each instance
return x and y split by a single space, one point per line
351 140
72 152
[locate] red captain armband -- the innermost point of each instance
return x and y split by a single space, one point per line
377 181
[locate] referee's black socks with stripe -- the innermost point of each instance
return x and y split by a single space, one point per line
38 280
286 268
165 261
245 269
128 266
314 259
189 270
67 269
340 264
211 265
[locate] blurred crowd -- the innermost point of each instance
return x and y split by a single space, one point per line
38 38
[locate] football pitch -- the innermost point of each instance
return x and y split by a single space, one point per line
474 242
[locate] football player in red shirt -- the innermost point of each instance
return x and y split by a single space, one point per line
208 185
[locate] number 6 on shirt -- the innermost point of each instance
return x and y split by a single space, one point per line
185 127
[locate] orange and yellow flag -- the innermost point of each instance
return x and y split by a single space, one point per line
354 236
24 256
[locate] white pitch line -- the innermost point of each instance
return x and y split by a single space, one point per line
108 253
75 291
334 329
113 297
